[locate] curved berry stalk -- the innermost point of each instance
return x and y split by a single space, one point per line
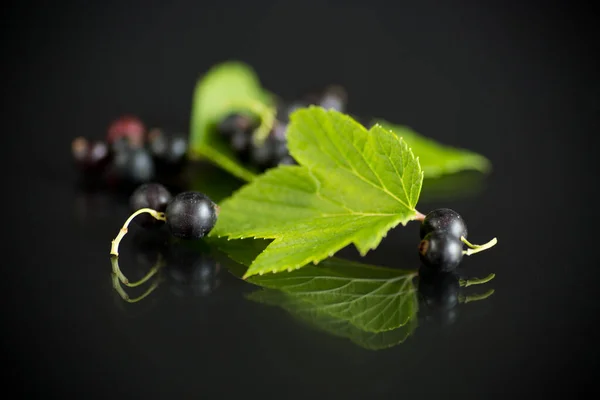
188 216
476 248
114 249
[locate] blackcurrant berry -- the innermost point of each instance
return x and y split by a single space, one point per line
132 166
129 127
261 156
90 156
171 149
191 215
240 142
334 98
149 195
234 123
140 166
288 160
440 251
444 220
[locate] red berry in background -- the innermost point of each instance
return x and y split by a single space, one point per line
129 127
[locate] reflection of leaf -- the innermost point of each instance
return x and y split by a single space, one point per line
438 159
313 316
353 186
375 307
221 91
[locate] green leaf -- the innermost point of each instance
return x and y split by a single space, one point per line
225 88
437 159
374 299
353 185
315 317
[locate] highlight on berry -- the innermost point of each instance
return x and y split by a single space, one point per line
188 215
443 235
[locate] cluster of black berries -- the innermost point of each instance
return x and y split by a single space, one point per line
441 246
188 215
130 154
237 129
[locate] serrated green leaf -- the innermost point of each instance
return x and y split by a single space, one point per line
313 316
373 299
352 186
438 159
219 92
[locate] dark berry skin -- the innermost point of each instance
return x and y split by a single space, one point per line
444 220
129 127
440 251
90 156
140 166
131 166
191 215
235 122
149 195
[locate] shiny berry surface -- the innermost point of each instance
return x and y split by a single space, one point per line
149 195
191 215
444 220
440 251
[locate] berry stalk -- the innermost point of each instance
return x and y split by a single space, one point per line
114 248
476 248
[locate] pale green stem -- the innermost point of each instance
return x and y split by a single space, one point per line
476 248
114 248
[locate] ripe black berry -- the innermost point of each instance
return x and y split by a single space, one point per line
444 220
235 122
170 149
90 156
240 142
132 166
334 98
440 251
149 195
191 215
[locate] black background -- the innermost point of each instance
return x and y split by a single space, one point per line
515 81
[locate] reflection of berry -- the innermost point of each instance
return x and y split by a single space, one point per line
440 251
444 220
129 127
191 272
191 215
149 195
439 290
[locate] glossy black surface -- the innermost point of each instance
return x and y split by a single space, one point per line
514 81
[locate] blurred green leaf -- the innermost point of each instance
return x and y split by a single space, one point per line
223 90
437 159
